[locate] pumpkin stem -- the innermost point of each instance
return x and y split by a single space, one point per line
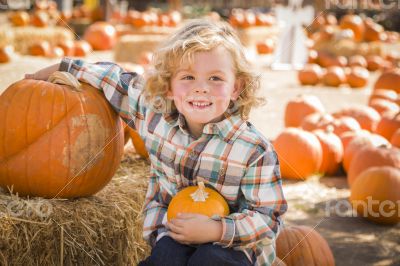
200 194
65 78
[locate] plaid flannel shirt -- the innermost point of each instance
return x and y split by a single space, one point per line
231 156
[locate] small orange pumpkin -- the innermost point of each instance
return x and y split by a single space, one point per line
316 121
310 75
138 143
334 76
371 156
375 194
6 53
357 60
197 199
19 18
354 23
302 245
301 106
265 47
65 143
41 48
82 48
358 77
344 124
299 152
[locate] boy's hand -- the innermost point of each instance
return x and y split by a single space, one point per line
44 73
191 228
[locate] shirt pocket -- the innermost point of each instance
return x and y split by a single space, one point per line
223 175
167 157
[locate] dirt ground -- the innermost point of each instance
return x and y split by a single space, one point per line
354 241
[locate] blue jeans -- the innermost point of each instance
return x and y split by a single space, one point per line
168 252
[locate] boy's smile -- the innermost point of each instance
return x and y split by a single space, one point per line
202 91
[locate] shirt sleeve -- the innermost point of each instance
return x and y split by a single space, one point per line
155 210
261 204
122 89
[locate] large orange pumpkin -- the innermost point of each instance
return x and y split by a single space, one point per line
375 194
359 142
299 152
197 199
395 140
366 116
101 36
332 151
389 80
388 124
56 141
371 156
297 109
384 94
302 245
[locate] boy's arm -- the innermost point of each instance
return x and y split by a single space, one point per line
155 210
262 205
122 89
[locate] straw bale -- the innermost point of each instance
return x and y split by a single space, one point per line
105 229
23 37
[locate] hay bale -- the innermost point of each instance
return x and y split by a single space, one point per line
105 229
23 37
130 48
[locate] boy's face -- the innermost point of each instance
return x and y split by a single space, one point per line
202 91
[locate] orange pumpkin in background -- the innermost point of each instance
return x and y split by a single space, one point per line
388 124
317 121
357 143
389 80
19 18
344 124
67 46
358 77
358 60
371 156
348 136
384 107
40 19
374 62
6 53
61 142
385 94
299 152
310 75
302 245
197 199
332 150
82 48
366 116
334 76
375 194
395 140
101 35
354 23
41 48
265 47
301 106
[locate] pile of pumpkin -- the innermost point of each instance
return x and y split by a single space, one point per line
344 53
365 140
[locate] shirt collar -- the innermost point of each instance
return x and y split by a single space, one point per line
228 129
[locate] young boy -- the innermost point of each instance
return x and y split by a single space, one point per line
192 114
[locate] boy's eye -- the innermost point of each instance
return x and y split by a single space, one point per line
188 77
215 78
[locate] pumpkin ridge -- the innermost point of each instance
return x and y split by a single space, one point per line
33 141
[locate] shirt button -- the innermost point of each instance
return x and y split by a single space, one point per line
222 172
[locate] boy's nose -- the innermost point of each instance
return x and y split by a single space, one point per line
202 89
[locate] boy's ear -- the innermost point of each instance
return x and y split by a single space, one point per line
238 88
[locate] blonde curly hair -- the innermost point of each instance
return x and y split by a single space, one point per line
195 36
